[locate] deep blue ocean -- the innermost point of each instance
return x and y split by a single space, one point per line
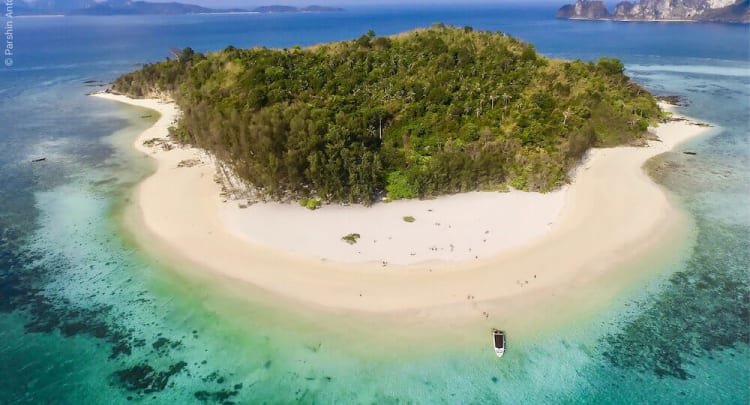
85 317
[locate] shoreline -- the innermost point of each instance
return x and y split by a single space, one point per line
580 253
626 20
629 20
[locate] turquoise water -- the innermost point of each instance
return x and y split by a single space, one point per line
87 318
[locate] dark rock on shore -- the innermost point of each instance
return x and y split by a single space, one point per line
673 100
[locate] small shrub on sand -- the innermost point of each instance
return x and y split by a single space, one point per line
409 218
310 203
351 239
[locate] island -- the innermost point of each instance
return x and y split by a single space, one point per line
292 9
726 11
130 7
431 112
353 113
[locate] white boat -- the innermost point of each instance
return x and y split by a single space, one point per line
498 338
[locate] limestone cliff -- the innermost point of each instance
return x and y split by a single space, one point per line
662 10
584 9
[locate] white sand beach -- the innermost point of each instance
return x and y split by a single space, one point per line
451 228
485 247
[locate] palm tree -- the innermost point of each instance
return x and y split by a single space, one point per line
506 97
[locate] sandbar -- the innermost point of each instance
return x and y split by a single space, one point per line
523 245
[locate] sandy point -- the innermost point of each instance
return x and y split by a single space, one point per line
527 250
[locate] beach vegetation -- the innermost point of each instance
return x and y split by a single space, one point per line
434 111
351 238
312 203
409 219
399 187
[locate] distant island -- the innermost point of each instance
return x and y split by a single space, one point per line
726 11
129 7
429 112
290 9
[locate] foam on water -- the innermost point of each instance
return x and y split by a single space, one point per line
708 70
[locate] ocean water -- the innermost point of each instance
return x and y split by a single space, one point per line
85 317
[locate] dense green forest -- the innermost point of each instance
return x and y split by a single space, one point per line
428 112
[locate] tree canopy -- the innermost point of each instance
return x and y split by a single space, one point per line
419 114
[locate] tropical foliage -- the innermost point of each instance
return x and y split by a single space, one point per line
429 112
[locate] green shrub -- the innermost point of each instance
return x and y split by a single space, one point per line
351 238
309 203
312 204
611 66
519 183
398 186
